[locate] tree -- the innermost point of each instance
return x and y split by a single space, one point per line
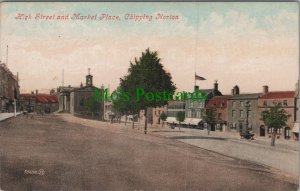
180 117
274 118
163 117
122 105
210 118
146 74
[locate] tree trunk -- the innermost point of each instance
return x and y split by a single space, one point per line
179 126
145 131
273 138
132 124
208 129
162 125
125 119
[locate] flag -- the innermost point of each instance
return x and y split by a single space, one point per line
199 77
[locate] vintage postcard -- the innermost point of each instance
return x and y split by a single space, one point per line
141 96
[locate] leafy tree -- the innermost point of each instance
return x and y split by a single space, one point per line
210 118
147 74
124 106
275 118
180 117
163 117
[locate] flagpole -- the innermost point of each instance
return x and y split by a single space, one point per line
195 79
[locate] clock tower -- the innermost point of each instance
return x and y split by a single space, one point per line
89 78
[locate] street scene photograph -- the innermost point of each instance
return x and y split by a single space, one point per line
140 96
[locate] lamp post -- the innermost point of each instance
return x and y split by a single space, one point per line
247 105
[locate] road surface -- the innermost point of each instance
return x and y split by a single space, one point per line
50 153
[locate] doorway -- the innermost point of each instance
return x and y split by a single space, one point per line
262 131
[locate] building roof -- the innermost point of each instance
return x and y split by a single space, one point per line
85 87
208 91
46 99
41 98
218 102
278 95
27 96
245 96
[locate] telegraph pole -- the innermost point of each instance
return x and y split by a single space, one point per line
6 55
62 80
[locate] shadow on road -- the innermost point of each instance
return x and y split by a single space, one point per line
157 131
198 137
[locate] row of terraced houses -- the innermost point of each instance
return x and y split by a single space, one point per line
238 111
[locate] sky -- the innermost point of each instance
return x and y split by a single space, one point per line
244 44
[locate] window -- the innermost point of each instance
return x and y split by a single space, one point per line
250 127
233 126
265 103
233 104
158 112
233 113
219 115
287 133
241 127
242 104
241 113
285 102
278 130
270 130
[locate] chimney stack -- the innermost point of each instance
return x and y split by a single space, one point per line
265 89
216 85
235 90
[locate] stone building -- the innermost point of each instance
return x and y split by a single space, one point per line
27 102
39 102
173 108
156 112
295 129
9 89
194 109
286 99
84 103
242 111
219 104
64 97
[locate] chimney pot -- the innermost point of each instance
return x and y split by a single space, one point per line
265 89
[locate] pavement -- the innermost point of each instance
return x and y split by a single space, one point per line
284 156
4 116
63 152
